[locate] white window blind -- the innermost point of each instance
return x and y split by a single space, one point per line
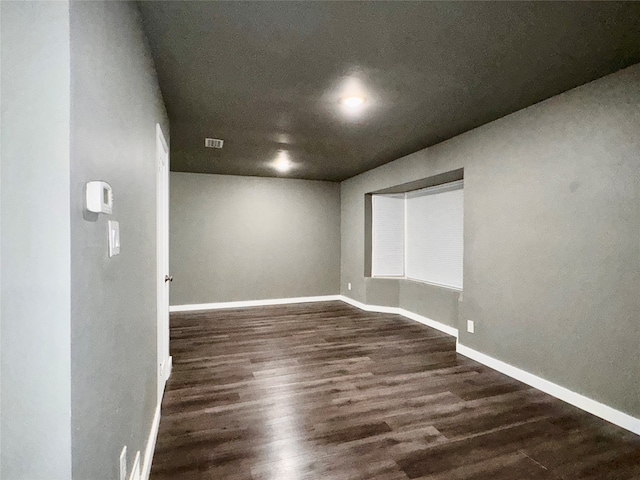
434 232
388 235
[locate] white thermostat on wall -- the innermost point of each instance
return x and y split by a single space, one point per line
99 197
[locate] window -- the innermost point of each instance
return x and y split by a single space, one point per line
429 225
388 236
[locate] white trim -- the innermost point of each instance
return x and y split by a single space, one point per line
435 284
405 313
135 468
368 308
162 259
252 303
440 188
151 444
429 323
155 424
326 298
167 367
415 280
584 403
160 134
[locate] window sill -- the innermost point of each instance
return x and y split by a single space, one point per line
439 285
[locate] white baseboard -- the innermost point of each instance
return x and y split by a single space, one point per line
325 298
251 303
584 403
168 366
429 323
155 424
368 308
405 313
151 444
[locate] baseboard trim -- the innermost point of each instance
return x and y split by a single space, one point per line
151 444
368 308
430 323
405 313
594 407
168 367
155 425
252 303
324 298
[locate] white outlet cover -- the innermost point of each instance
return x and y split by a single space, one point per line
123 463
470 326
349 286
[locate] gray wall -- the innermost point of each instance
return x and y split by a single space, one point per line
250 238
35 270
0 239
116 103
552 238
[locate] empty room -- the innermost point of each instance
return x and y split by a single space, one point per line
325 240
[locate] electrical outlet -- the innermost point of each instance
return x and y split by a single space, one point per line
349 285
470 326
123 463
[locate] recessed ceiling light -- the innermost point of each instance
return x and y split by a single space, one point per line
282 165
352 102
282 162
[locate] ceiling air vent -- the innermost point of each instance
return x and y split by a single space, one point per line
213 142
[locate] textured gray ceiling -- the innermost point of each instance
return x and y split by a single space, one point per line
267 76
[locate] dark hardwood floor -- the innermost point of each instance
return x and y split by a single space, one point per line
326 391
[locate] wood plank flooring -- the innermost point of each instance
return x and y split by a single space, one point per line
326 391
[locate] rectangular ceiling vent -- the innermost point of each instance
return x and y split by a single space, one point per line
213 142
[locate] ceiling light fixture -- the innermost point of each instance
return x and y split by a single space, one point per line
282 162
352 102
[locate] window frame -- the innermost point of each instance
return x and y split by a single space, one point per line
444 187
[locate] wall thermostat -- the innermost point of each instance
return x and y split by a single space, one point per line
99 197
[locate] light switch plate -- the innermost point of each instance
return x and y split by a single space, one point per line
470 326
114 238
349 285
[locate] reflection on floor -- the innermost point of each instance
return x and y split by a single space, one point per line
326 391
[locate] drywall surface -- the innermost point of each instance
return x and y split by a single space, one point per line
116 103
0 236
552 244
238 238
431 301
35 269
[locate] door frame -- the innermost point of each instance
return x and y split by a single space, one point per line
164 360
